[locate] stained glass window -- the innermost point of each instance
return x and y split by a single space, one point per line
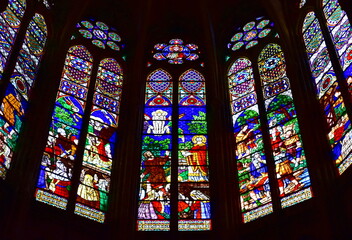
92 195
101 34
59 156
155 180
193 165
286 141
176 52
341 34
10 21
159 143
251 160
328 92
287 153
15 101
249 35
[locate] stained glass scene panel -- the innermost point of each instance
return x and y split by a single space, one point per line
328 93
255 195
193 166
155 172
341 34
15 102
54 183
10 21
93 190
286 143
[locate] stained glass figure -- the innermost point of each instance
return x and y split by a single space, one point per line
10 21
16 98
54 183
193 166
341 34
327 89
249 35
176 52
251 163
93 190
155 177
101 34
286 144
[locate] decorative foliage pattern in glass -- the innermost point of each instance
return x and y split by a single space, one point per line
328 92
286 143
16 98
249 35
10 21
176 52
155 172
93 189
193 165
252 168
101 34
58 158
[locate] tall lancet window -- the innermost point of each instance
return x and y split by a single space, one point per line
266 129
10 22
328 90
15 102
341 34
82 134
174 180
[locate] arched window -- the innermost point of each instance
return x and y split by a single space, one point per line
341 34
10 21
174 180
85 117
328 90
266 129
16 99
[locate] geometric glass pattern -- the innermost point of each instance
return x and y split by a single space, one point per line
93 189
286 143
16 99
176 52
59 156
101 34
341 34
10 21
327 89
250 34
255 195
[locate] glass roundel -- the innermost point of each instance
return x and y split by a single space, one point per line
100 33
176 52
248 35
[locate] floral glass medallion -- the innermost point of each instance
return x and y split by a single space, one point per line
250 34
176 52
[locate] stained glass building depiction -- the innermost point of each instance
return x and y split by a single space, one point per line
175 120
